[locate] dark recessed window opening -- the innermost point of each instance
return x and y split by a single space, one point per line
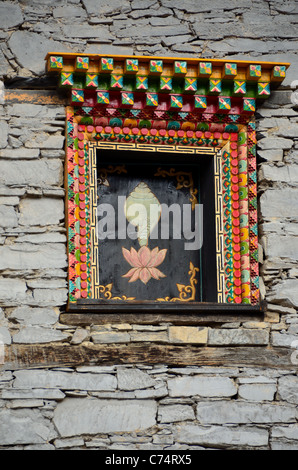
155 227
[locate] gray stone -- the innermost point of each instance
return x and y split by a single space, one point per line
45 141
49 297
31 48
38 111
292 156
12 290
2 92
48 237
213 31
99 443
274 155
191 6
69 12
8 217
175 413
28 403
152 393
25 394
259 379
6 376
64 380
221 436
175 40
75 416
115 395
47 283
238 337
277 246
285 173
288 389
99 48
286 128
6 191
285 291
36 334
33 173
279 444
41 211
157 17
281 309
281 227
24 427
87 31
69 443
10 15
134 379
5 337
285 432
40 447
149 336
29 256
274 143
283 340
142 4
232 412
229 45
257 392
9 201
150 31
96 369
3 127
202 386
279 203
106 7
285 7
160 21
108 337
79 336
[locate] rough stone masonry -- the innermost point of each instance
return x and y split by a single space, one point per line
245 400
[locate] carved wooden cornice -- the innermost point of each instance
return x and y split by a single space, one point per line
165 83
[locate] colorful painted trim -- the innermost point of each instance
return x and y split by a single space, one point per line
238 170
208 78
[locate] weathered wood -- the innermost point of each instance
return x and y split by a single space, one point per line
83 319
62 355
147 307
44 97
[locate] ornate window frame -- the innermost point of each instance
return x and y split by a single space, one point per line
133 102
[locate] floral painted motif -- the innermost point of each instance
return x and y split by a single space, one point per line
144 263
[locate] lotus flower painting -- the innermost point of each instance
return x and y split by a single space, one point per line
144 263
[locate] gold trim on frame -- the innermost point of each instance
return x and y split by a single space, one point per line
102 178
184 290
182 182
107 293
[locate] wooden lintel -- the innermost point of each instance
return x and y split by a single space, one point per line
85 319
63 355
44 97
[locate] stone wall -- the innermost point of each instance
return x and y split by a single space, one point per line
239 388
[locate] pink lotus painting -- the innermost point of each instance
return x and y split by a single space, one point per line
144 263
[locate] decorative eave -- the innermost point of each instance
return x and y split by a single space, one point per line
165 83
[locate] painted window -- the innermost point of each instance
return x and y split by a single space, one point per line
172 138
